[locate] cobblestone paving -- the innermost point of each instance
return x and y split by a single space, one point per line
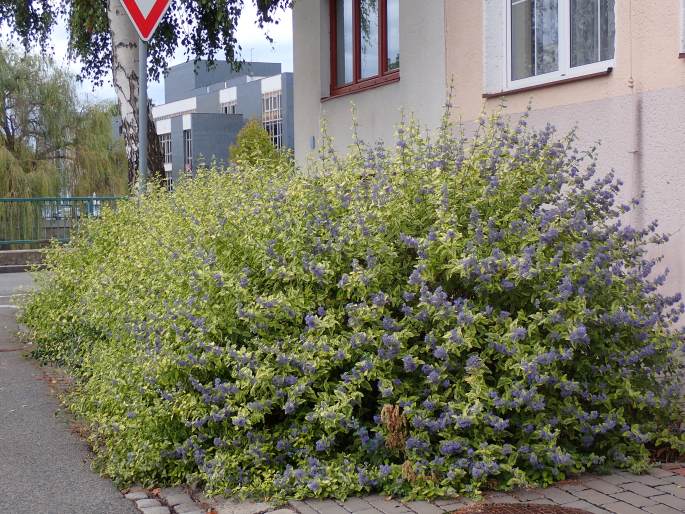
661 491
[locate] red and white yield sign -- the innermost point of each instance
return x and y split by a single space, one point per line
145 15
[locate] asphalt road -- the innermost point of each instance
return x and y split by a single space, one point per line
44 466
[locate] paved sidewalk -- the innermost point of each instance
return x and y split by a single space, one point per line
662 491
44 467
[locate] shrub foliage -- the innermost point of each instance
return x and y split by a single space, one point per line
433 318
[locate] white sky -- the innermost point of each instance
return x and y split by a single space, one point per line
252 39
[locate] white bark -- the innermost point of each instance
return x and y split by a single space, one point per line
125 78
126 84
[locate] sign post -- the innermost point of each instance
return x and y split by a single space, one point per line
145 16
142 112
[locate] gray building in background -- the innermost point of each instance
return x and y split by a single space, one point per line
206 107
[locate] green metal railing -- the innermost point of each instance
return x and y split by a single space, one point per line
36 221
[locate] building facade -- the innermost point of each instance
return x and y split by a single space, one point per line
615 69
205 108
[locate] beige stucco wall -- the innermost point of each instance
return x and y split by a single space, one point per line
637 111
420 89
647 46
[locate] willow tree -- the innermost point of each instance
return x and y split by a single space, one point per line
52 143
104 40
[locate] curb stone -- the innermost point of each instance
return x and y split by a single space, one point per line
660 491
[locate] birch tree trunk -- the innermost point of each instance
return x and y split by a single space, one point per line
126 84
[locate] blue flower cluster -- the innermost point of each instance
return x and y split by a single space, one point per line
426 319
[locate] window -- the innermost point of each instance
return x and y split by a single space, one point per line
365 43
169 180
682 29
172 115
230 107
165 143
188 149
272 116
553 39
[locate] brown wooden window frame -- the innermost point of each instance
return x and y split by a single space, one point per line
358 83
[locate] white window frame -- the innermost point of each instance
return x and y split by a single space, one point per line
188 149
165 143
272 116
682 28
565 70
230 107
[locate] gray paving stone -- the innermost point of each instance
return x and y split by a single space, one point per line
370 510
617 479
652 480
147 502
500 498
176 498
168 491
661 509
572 486
451 507
673 489
248 507
676 479
623 508
526 495
625 474
422 507
355 504
671 501
602 486
385 505
441 502
641 489
541 501
155 510
583 505
558 496
303 508
634 499
324 507
594 497
135 496
282 511
186 508
660 472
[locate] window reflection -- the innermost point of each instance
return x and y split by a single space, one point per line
345 35
592 31
368 13
393 20
534 37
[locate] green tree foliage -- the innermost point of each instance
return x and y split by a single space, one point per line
37 107
253 145
201 28
99 160
50 143
428 319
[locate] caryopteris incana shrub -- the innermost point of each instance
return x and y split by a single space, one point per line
433 318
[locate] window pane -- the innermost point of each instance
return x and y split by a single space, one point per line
607 29
584 32
345 36
393 34
369 35
592 31
534 37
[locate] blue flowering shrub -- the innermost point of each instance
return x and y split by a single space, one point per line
450 314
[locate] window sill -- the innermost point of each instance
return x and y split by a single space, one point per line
364 85
551 83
